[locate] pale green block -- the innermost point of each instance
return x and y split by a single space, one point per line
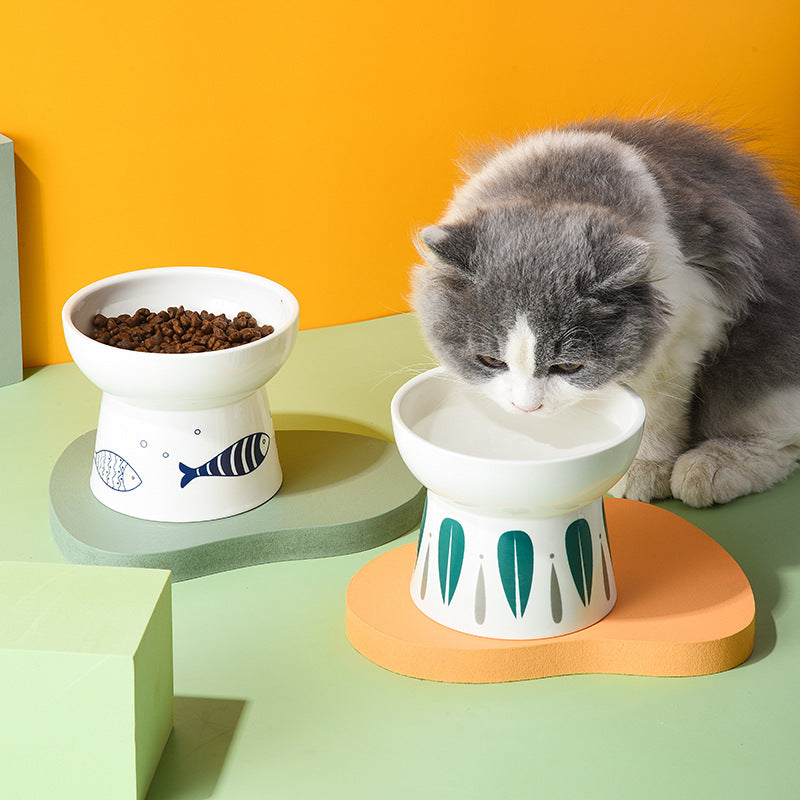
86 691
10 317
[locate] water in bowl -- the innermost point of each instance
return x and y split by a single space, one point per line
472 424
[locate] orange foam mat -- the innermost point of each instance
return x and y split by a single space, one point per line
684 608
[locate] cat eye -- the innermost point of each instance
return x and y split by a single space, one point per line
565 369
493 363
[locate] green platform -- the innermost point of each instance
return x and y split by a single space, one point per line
85 680
272 701
341 493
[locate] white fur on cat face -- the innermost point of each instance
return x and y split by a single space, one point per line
516 389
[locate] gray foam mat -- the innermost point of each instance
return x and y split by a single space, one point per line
341 493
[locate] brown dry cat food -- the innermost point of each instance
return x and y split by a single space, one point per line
177 330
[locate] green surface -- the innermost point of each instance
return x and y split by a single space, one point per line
10 318
273 702
341 493
86 686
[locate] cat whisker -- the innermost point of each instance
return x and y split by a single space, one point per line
409 370
685 391
680 398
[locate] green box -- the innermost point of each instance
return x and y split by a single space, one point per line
86 692
10 315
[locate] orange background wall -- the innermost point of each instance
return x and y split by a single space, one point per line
306 141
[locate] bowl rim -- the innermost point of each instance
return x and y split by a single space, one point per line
632 430
291 322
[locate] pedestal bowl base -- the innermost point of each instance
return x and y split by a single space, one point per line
684 607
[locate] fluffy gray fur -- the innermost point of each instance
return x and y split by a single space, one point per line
656 252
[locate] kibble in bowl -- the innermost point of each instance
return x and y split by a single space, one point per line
133 310
177 330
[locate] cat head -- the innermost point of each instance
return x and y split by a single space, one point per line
537 307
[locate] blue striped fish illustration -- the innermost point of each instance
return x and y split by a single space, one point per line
115 471
240 458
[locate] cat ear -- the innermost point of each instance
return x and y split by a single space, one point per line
453 244
620 259
631 257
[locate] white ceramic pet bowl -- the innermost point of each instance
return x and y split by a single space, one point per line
187 436
513 541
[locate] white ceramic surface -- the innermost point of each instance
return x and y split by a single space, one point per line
513 544
183 437
511 578
462 446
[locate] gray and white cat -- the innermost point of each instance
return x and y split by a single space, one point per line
655 252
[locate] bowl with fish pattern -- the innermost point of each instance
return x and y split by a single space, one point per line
513 541
188 436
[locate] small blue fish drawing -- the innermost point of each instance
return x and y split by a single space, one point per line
115 471
240 458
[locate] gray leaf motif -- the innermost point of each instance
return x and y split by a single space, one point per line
423 587
480 597
555 596
422 524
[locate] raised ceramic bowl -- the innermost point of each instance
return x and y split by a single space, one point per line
513 543
183 437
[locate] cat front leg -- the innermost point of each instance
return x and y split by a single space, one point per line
666 384
645 481
665 436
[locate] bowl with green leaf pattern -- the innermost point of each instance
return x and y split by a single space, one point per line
513 541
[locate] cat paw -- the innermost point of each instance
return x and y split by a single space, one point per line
645 481
702 478
720 470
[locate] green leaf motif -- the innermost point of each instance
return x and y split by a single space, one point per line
578 542
606 582
515 560
451 557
